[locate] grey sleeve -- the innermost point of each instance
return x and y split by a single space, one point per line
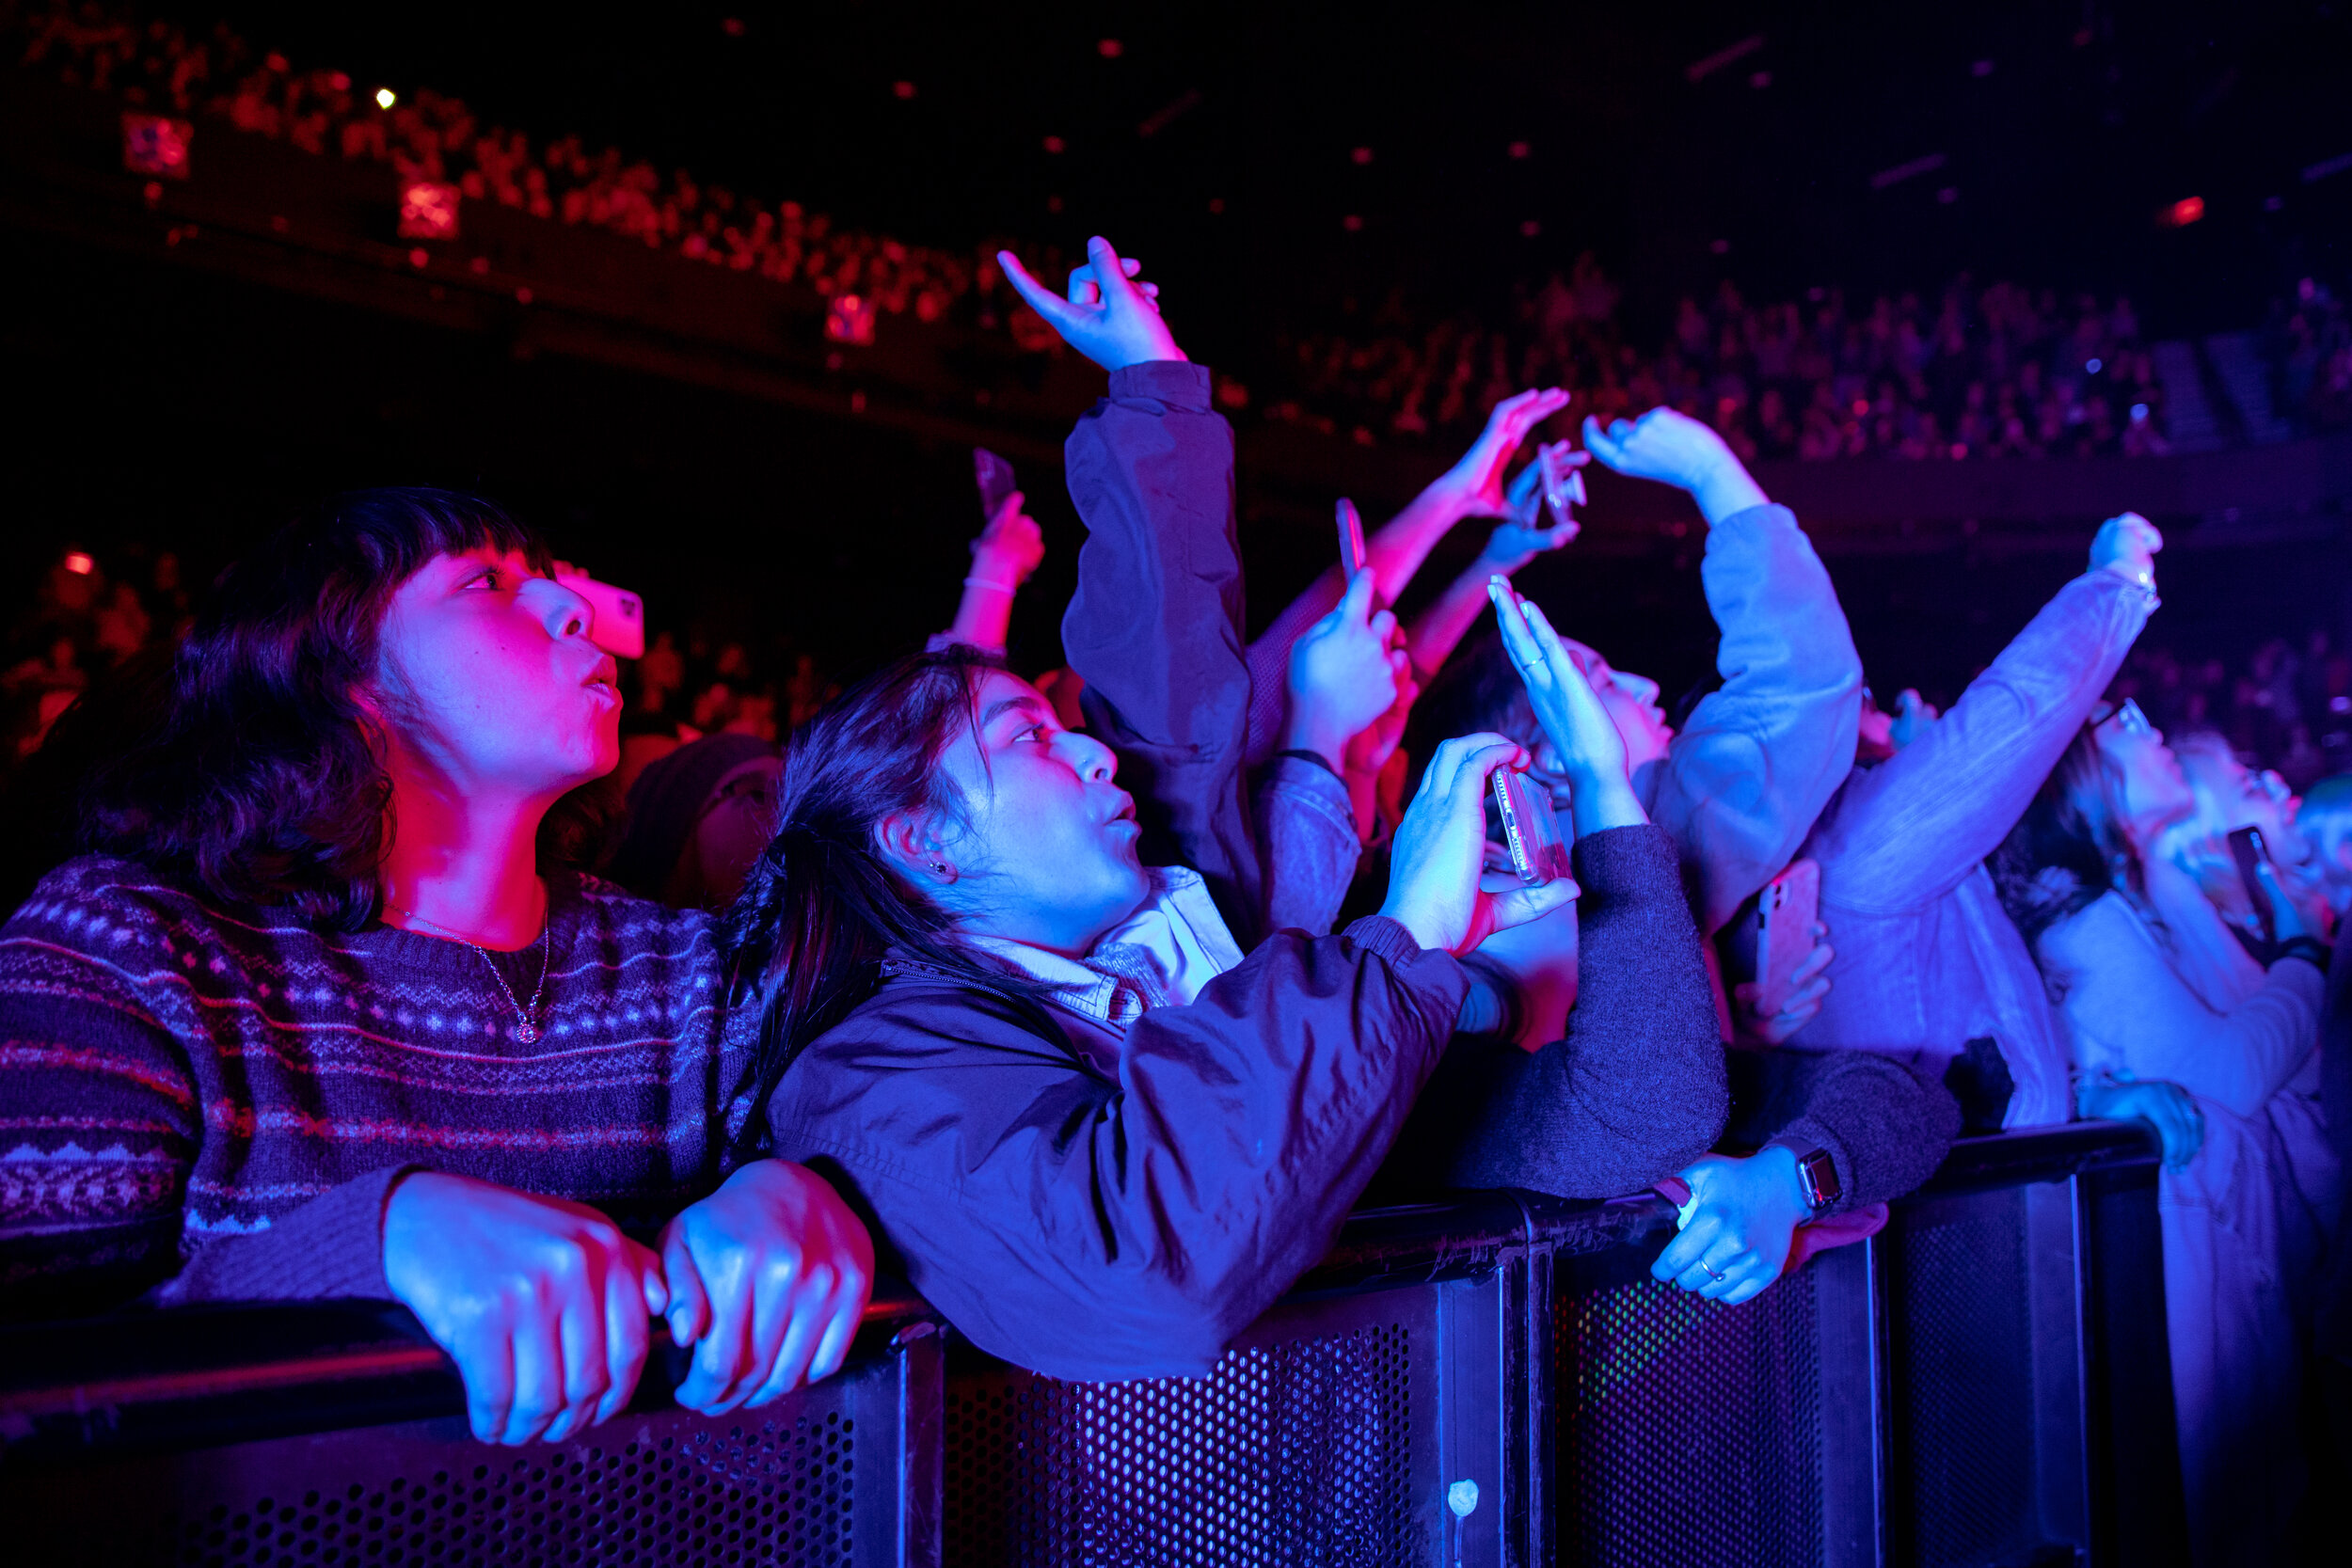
1885 1127
1306 827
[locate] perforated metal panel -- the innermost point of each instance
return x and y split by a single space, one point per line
1688 1433
1964 1412
791 1485
1295 1451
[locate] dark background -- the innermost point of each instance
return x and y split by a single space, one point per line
182 410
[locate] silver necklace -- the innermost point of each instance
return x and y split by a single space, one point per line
525 1030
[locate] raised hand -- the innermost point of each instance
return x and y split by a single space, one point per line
544 1305
1522 536
1438 888
1738 1226
1675 449
1010 547
1343 674
768 1277
1914 713
1474 484
1106 316
2126 544
1808 987
1591 750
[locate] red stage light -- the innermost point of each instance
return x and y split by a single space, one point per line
1361 155
903 89
2182 213
1110 49
1517 150
1054 143
79 564
850 319
157 144
428 211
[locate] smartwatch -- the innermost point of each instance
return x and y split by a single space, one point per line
1816 1178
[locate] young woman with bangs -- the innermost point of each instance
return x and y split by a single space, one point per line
306 1019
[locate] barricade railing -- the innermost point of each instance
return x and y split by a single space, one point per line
1495 1380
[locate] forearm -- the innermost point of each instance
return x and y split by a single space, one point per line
1635 1089
1311 846
1438 630
1885 1127
983 616
333 1245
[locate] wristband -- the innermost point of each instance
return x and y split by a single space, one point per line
2310 949
1316 757
1004 588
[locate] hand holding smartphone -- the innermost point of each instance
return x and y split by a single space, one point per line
2248 849
1563 481
1530 830
1786 912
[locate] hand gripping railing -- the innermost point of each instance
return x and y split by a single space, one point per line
1494 1380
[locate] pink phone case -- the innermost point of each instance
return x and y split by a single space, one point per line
1785 912
619 623
1530 830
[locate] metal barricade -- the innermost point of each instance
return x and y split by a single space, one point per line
1983 1382
1495 1380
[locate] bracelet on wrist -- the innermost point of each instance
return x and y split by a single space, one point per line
1005 588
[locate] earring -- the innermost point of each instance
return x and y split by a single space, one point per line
939 866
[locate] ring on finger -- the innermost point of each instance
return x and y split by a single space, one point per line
1712 1273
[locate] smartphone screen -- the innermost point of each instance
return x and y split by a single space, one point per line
1530 830
1351 539
995 477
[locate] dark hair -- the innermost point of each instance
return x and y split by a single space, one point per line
2070 847
1478 688
253 767
823 905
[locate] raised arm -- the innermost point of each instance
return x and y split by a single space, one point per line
1006 551
1472 488
1154 628
1908 830
1518 539
1762 755
2123 1003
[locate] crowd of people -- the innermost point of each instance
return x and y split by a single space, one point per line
1093 1004
1998 370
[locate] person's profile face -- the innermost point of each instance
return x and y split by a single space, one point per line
2151 789
486 675
1046 852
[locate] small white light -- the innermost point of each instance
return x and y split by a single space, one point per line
386 97
2140 412
2092 367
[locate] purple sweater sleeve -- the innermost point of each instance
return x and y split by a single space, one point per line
1634 1091
100 1120
1155 625
1091 1228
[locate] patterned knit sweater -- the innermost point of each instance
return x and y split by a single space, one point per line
224 1102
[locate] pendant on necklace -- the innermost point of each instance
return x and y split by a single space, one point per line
525 1033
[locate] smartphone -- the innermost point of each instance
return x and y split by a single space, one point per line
1530 830
2248 849
617 620
1786 912
995 477
1351 539
1563 486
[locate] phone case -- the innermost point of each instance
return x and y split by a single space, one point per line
1564 486
1351 539
618 617
1530 830
2248 849
995 477
1786 912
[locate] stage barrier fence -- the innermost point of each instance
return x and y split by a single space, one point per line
1491 1381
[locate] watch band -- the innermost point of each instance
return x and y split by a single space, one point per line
1816 1177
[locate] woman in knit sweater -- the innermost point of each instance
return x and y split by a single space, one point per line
308 1022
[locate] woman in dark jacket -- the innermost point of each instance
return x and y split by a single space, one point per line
1100 1139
